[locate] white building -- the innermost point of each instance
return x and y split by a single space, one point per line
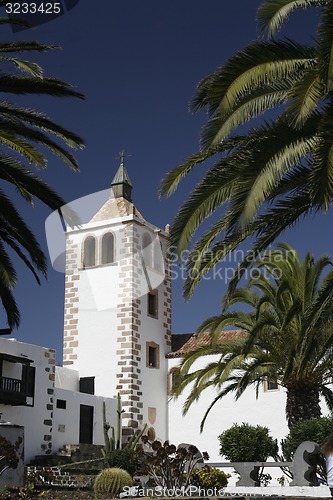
46 400
118 308
268 410
117 338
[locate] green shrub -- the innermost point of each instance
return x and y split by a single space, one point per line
124 458
313 429
209 477
246 443
111 482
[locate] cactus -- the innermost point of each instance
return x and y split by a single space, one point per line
119 412
111 482
114 443
106 427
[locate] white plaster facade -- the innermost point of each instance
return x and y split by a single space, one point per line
108 327
268 410
47 428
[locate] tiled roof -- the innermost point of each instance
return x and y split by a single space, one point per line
114 208
194 341
177 341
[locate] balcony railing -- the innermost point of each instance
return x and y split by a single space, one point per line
11 384
11 391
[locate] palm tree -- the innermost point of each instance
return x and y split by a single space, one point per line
290 336
267 178
23 132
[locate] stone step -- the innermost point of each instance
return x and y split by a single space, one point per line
49 460
69 453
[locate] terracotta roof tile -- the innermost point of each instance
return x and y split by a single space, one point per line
177 341
195 341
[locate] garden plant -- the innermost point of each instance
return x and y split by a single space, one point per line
111 482
170 467
248 443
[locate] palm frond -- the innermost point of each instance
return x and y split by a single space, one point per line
29 85
304 98
272 14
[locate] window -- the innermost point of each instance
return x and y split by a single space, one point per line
158 256
152 355
87 385
147 250
107 248
271 385
61 404
152 299
28 379
152 252
89 252
152 359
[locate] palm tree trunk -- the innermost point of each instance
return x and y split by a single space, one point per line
302 404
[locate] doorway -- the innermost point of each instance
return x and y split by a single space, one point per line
86 424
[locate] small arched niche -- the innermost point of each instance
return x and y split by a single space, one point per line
107 249
89 252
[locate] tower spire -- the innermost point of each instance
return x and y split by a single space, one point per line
121 186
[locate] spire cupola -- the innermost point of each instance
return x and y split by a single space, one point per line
121 186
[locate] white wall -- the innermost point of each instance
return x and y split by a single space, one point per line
154 380
66 378
98 342
98 291
42 421
66 422
37 420
268 410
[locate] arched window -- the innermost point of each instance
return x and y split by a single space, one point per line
158 256
89 252
147 250
107 248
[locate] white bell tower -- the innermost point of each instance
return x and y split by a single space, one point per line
117 324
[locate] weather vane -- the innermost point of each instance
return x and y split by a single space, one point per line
122 156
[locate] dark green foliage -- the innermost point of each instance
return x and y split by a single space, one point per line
313 429
8 456
168 466
246 443
209 477
111 482
124 458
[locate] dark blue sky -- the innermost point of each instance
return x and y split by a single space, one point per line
138 63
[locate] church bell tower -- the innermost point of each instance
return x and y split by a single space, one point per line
117 323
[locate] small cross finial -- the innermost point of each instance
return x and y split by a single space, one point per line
121 156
